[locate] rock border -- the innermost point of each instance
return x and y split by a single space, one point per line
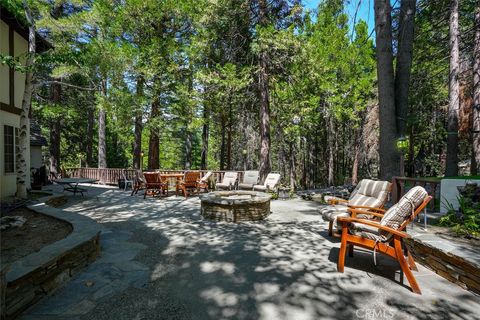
37 275
457 265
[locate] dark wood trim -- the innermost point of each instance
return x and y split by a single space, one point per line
11 74
22 30
7 108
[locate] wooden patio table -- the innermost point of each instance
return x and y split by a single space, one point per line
177 176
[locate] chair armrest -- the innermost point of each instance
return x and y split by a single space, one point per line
345 220
336 201
354 212
368 208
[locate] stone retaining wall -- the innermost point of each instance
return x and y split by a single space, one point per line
452 267
39 274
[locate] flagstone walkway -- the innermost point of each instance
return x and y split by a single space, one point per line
161 260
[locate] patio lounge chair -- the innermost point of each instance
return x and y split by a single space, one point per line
387 235
203 183
138 182
369 193
154 184
250 178
270 184
190 181
229 181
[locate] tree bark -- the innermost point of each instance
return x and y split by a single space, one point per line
222 144
389 157
263 79
331 149
356 156
404 62
188 148
55 132
205 133
137 142
476 96
293 173
229 137
154 141
22 155
102 146
451 168
89 138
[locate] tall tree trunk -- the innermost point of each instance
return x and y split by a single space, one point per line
389 158
137 142
404 62
293 173
205 133
454 94
102 145
55 132
263 79
22 154
154 141
476 96
356 156
331 149
229 137
89 137
188 148
223 144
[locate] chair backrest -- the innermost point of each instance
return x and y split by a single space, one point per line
406 209
230 177
206 177
272 180
139 176
371 193
151 177
191 176
250 177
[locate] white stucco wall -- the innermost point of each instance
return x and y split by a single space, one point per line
5 83
449 192
8 180
20 49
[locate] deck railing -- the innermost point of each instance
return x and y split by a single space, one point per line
112 175
400 185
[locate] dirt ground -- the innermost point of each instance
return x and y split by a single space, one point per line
38 231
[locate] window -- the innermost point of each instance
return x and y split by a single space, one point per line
9 145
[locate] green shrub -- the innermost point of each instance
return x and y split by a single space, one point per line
465 221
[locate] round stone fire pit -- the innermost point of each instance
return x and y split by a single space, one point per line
235 206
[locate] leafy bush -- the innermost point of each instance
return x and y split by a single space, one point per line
465 221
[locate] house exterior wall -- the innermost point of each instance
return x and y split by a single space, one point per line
9 115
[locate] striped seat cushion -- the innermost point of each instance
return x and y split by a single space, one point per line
364 231
371 194
403 209
329 213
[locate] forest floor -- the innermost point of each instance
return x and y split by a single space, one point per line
161 260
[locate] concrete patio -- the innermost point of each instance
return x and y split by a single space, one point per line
161 260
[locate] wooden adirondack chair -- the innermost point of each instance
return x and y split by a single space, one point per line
190 181
387 235
138 182
154 184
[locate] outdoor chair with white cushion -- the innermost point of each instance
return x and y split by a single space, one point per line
369 193
229 181
250 178
204 181
271 183
127 181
